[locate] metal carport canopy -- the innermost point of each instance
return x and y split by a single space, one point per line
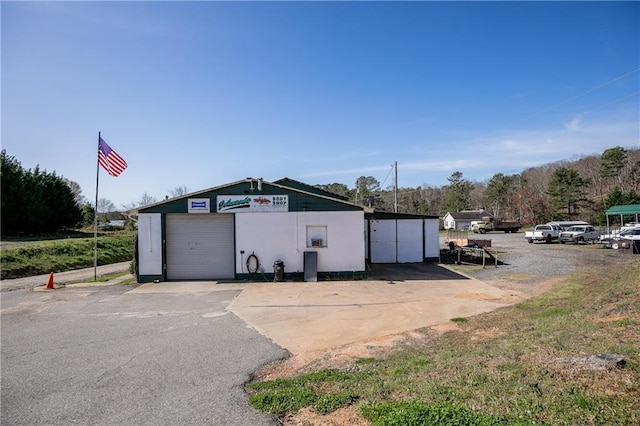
627 210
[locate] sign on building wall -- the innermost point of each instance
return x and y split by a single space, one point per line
198 205
252 203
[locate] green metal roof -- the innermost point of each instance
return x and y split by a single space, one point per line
308 188
628 209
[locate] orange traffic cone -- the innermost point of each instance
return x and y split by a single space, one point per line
50 282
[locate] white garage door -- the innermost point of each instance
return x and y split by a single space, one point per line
410 240
199 246
396 241
383 241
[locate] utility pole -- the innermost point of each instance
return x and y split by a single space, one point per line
395 187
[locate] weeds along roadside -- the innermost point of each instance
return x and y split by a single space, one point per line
515 365
42 257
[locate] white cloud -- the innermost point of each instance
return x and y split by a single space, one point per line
574 124
480 156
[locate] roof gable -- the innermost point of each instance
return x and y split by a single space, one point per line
298 200
469 214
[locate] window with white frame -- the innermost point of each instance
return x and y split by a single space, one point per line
316 236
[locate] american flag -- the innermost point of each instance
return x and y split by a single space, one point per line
109 159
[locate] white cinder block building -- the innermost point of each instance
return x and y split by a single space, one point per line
243 229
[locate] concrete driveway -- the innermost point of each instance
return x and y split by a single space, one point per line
305 317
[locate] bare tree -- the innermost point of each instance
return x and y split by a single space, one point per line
105 206
589 168
146 199
179 191
77 192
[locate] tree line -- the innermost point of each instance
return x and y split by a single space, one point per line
582 189
35 201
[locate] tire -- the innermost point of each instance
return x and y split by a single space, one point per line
580 240
548 239
529 240
561 242
482 231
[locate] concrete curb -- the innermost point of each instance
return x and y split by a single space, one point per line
114 281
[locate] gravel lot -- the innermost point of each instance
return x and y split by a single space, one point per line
526 266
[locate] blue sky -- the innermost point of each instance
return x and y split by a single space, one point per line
201 94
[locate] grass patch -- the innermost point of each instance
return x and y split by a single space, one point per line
458 320
43 257
105 278
509 366
321 390
417 413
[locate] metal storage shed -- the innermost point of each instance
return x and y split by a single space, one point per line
402 238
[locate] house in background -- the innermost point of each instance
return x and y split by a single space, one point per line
462 220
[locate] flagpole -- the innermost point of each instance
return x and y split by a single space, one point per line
95 218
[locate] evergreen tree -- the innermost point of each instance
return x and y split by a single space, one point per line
34 201
612 161
566 189
498 193
458 192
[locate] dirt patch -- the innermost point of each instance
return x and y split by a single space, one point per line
611 319
486 334
529 289
479 296
336 358
341 417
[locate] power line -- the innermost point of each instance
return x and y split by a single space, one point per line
613 102
579 95
385 179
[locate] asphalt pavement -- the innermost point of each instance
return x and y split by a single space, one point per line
106 356
180 352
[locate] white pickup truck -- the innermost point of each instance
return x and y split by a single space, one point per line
547 233
580 234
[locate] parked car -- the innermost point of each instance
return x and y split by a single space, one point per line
580 234
566 224
547 233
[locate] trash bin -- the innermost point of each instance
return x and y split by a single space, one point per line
278 271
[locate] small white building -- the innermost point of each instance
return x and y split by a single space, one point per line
462 220
402 238
243 229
